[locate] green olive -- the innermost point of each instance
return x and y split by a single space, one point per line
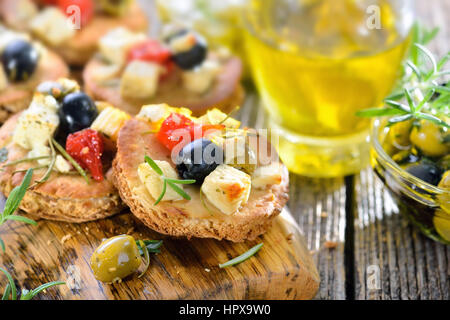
115 7
445 181
429 138
400 132
115 258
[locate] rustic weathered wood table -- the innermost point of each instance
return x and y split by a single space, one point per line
349 225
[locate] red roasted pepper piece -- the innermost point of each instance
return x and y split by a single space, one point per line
86 148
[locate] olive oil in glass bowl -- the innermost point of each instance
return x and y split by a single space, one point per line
315 64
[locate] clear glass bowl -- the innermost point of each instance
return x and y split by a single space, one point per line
425 205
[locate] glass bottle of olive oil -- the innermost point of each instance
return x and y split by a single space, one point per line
317 62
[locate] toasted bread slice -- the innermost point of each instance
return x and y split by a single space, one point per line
63 197
189 218
225 94
17 96
79 49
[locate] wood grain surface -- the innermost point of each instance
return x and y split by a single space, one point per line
349 224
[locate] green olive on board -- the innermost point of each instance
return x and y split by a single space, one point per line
429 138
115 258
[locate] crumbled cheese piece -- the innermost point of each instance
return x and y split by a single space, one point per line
267 175
158 112
154 183
109 122
215 116
106 72
53 26
200 79
227 188
115 44
140 79
37 124
62 165
40 151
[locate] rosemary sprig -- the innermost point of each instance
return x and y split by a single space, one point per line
13 201
10 292
421 96
11 206
146 257
172 183
153 246
50 166
71 160
12 163
229 114
242 257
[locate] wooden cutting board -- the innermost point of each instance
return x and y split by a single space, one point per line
185 269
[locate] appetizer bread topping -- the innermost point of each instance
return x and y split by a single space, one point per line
62 114
72 27
205 176
69 142
142 64
54 21
208 154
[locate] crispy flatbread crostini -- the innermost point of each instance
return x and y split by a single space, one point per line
230 199
70 143
76 46
132 70
32 63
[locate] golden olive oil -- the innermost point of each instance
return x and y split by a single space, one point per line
316 64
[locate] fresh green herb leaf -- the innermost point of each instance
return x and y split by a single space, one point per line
153 164
400 119
71 160
379 112
147 258
12 285
16 195
12 163
187 181
163 192
242 257
415 69
32 293
436 120
21 219
178 190
3 154
229 114
152 246
7 292
168 181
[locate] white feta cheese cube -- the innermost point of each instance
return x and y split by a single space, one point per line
200 79
154 183
140 79
53 26
62 165
37 124
227 188
267 175
115 44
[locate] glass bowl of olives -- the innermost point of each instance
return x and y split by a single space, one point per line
412 159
